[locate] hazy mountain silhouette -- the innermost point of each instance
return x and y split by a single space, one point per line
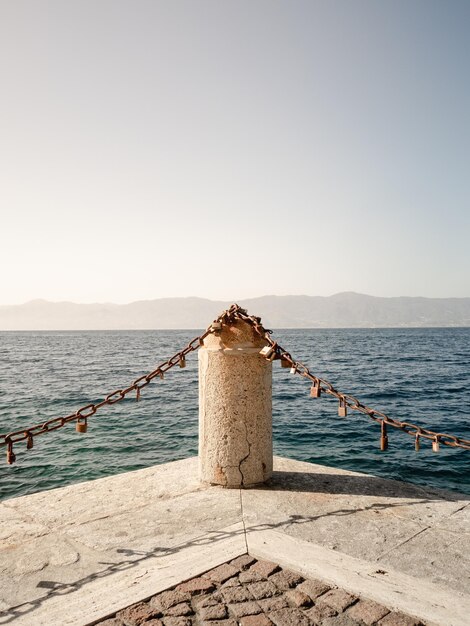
343 310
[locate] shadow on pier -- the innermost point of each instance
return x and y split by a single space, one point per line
357 485
332 484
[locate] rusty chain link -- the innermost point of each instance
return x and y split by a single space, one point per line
271 352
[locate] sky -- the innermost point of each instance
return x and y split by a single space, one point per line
233 149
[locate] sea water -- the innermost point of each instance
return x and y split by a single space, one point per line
414 375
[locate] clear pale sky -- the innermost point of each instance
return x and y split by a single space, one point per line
231 149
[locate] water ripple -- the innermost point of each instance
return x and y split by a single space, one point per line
420 375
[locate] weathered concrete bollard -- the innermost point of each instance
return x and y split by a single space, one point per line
235 408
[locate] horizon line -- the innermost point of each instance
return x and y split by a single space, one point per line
225 301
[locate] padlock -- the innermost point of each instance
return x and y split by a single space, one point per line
29 443
270 352
315 391
342 410
81 427
11 456
383 436
285 363
435 445
160 374
273 355
267 351
216 327
417 444
293 369
182 362
137 394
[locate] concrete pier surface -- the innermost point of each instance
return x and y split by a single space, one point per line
78 554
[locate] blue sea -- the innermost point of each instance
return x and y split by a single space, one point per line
418 375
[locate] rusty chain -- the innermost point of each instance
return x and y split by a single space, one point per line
271 352
274 351
82 414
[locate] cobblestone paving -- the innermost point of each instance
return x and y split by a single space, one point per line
247 592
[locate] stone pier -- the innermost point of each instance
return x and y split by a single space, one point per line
76 555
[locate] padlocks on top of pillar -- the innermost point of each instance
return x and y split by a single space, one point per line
233 335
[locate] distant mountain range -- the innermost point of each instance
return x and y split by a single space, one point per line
343 310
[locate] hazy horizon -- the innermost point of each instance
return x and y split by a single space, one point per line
232 300
342 310
155 148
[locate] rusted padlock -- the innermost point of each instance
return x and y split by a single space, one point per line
315 391
383 436
285 363
342 409
182 361
11 456
29 440
81 427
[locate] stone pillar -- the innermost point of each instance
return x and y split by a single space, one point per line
235 408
